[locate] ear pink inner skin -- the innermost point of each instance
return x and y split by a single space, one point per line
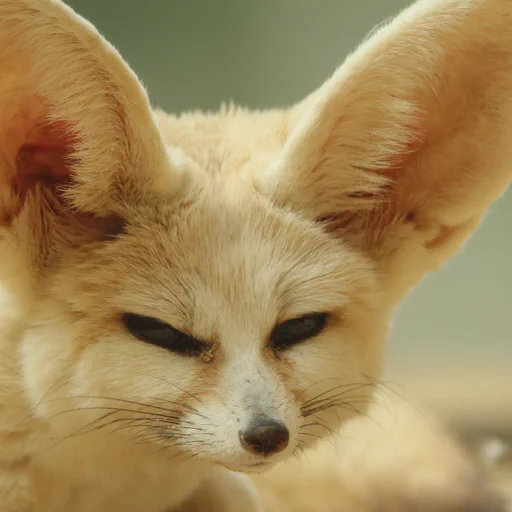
44 155
41 163
35 150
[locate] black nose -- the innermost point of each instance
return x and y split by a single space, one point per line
265 437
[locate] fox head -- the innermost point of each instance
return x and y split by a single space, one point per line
219 286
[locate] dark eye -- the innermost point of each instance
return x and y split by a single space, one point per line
296 330
163 335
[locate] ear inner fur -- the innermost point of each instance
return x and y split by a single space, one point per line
407 144
62 85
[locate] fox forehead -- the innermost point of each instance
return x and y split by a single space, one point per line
232 142
213 263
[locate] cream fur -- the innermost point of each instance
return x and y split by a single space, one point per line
399 459
222 225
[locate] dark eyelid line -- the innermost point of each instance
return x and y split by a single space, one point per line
171 326
303 316
285 342
196 345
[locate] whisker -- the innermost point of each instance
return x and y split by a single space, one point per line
352 386
119 409
186 406
176 386
339 396
121 400
310 434
329 405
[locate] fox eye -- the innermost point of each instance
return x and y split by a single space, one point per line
294 331
163 335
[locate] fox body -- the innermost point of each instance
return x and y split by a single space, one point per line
190 298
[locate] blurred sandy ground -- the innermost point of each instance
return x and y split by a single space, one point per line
474 400
503 479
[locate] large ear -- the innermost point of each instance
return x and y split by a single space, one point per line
71 111
406 146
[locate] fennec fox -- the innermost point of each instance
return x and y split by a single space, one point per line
190 296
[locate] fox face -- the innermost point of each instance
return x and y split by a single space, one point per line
225 328
217 288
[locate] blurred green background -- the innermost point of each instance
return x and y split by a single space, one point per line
196 54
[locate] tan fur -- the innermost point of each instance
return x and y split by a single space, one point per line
398 459
224 225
